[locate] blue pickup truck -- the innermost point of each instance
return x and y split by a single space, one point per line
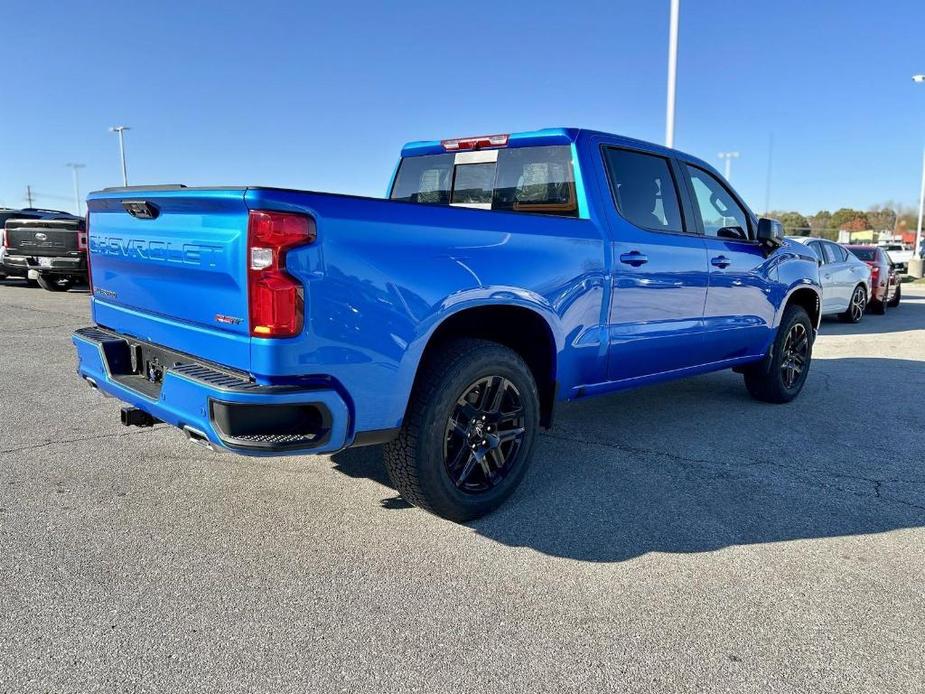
505 274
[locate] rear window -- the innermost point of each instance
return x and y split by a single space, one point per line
864 253
522 179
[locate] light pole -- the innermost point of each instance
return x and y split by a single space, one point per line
672 71
728 156
74 168
121 130
917 247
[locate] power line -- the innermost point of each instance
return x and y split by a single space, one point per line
31 196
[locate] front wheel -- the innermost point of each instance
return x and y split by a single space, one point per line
855 311
894 302
780 378
468 436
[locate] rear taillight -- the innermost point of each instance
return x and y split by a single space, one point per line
276 299
86 246
874 274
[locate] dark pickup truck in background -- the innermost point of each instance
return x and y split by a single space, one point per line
51 251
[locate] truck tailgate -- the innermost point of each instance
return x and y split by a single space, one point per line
43 237
169 266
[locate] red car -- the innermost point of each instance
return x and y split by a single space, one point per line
885 289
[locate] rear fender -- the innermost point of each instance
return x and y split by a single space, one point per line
481 297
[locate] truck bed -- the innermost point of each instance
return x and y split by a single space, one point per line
377 280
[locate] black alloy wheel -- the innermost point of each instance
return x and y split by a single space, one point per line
467 438
484 435
781 375
795 355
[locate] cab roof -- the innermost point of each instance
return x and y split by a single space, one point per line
552 136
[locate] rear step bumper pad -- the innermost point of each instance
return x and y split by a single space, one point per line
209 401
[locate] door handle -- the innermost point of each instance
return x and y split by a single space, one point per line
828 277
720 261
634 258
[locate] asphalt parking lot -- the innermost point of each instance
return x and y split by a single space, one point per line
677 538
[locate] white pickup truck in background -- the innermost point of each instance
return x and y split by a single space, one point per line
899 255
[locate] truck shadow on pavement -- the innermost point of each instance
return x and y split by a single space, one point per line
697 465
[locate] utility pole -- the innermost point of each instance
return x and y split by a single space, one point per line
917 246
728 157
74 168
29 196
672 71
121 130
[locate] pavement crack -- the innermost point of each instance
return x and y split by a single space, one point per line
55 442
633 449
32 309
814 477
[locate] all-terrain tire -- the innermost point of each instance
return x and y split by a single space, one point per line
769 380
417 459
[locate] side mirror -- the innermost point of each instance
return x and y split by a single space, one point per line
770 231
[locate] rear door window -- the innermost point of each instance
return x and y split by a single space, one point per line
645 189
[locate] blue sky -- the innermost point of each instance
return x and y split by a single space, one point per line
322 95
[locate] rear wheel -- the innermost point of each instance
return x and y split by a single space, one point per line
468 435
780 378
894 302
55 284
855 310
